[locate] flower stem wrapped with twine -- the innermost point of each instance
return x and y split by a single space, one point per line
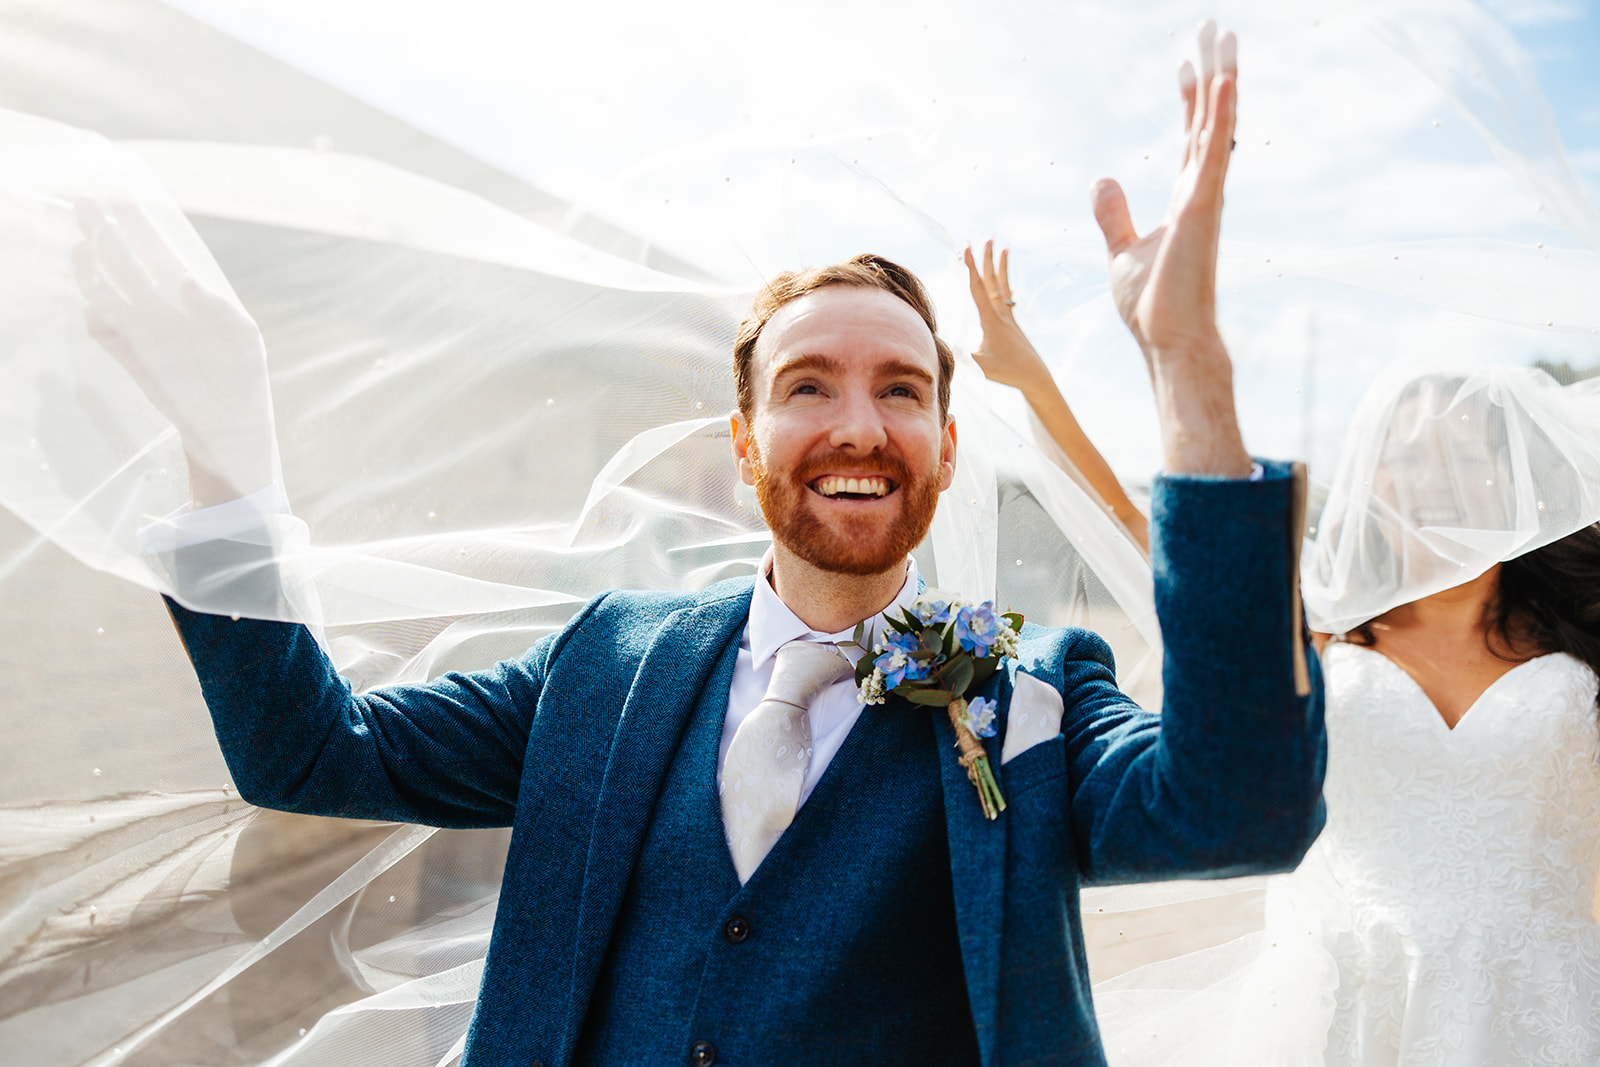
976 762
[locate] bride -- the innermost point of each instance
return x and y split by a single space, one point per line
1463 786
1451 898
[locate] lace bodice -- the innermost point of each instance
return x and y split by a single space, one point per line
1440 825
1466 862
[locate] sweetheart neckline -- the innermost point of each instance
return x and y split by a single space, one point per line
1438 716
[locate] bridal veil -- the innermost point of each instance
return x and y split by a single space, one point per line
498 333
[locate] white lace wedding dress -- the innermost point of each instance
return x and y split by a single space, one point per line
1463 865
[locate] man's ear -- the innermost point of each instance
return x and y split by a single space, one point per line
741 447
947 454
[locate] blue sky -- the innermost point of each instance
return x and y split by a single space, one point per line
1562 38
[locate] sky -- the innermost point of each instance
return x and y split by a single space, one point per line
1562 38
1460 140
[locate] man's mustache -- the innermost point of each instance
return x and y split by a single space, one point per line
890 467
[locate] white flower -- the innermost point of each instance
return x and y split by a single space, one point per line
872 690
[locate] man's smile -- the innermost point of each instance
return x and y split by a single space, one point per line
845 487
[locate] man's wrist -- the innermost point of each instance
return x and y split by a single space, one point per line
1193 385
207 488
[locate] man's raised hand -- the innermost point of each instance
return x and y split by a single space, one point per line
198 358
1164 283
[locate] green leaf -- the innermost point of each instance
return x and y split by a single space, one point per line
1015 619
957 674
860 636
933 698
863 669
983 670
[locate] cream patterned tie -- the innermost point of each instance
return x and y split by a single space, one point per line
771 751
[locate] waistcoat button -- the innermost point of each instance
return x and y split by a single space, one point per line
702 1054
736 930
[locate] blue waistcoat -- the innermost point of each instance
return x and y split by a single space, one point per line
698 960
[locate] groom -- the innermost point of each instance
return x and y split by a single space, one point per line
709 867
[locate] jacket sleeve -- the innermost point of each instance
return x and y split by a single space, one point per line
1227 780
448 753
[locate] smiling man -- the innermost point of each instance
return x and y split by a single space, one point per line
733 861
843 428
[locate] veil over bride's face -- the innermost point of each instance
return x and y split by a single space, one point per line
846 445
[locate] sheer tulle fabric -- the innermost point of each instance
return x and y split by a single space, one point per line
527 439
1443 476
489 407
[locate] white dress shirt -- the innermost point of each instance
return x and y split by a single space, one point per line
772 625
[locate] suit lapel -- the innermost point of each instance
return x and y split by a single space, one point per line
691 659
977 869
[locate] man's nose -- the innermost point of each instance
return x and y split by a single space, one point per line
858 425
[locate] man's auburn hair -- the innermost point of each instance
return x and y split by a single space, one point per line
865 271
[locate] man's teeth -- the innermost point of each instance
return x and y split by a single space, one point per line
833 485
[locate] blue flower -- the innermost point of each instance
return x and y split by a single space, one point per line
977 628
896 662
932 611
980 716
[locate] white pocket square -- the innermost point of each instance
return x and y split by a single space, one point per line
1035 716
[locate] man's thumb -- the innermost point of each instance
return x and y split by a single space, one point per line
1111 212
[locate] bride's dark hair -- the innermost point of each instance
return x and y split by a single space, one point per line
1549 599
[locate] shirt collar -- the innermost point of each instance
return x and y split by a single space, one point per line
773 625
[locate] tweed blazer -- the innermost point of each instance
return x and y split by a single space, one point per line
569 745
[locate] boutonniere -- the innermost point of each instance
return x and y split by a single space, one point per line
931 654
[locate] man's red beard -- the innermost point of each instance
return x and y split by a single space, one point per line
862 545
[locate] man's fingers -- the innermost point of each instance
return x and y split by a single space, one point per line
988 268
1228 55
160 262
1003 278
1219 140
1224 106
1111 212
1206 38
91 215
91 283
1205 45
1186 84
107 337
100 263
117 264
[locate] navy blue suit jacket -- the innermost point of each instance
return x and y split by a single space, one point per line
569 745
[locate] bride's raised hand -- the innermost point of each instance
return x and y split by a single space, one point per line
195 354
1005 354
1164 282
1008 357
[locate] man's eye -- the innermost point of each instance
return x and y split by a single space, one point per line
807 387
903 390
